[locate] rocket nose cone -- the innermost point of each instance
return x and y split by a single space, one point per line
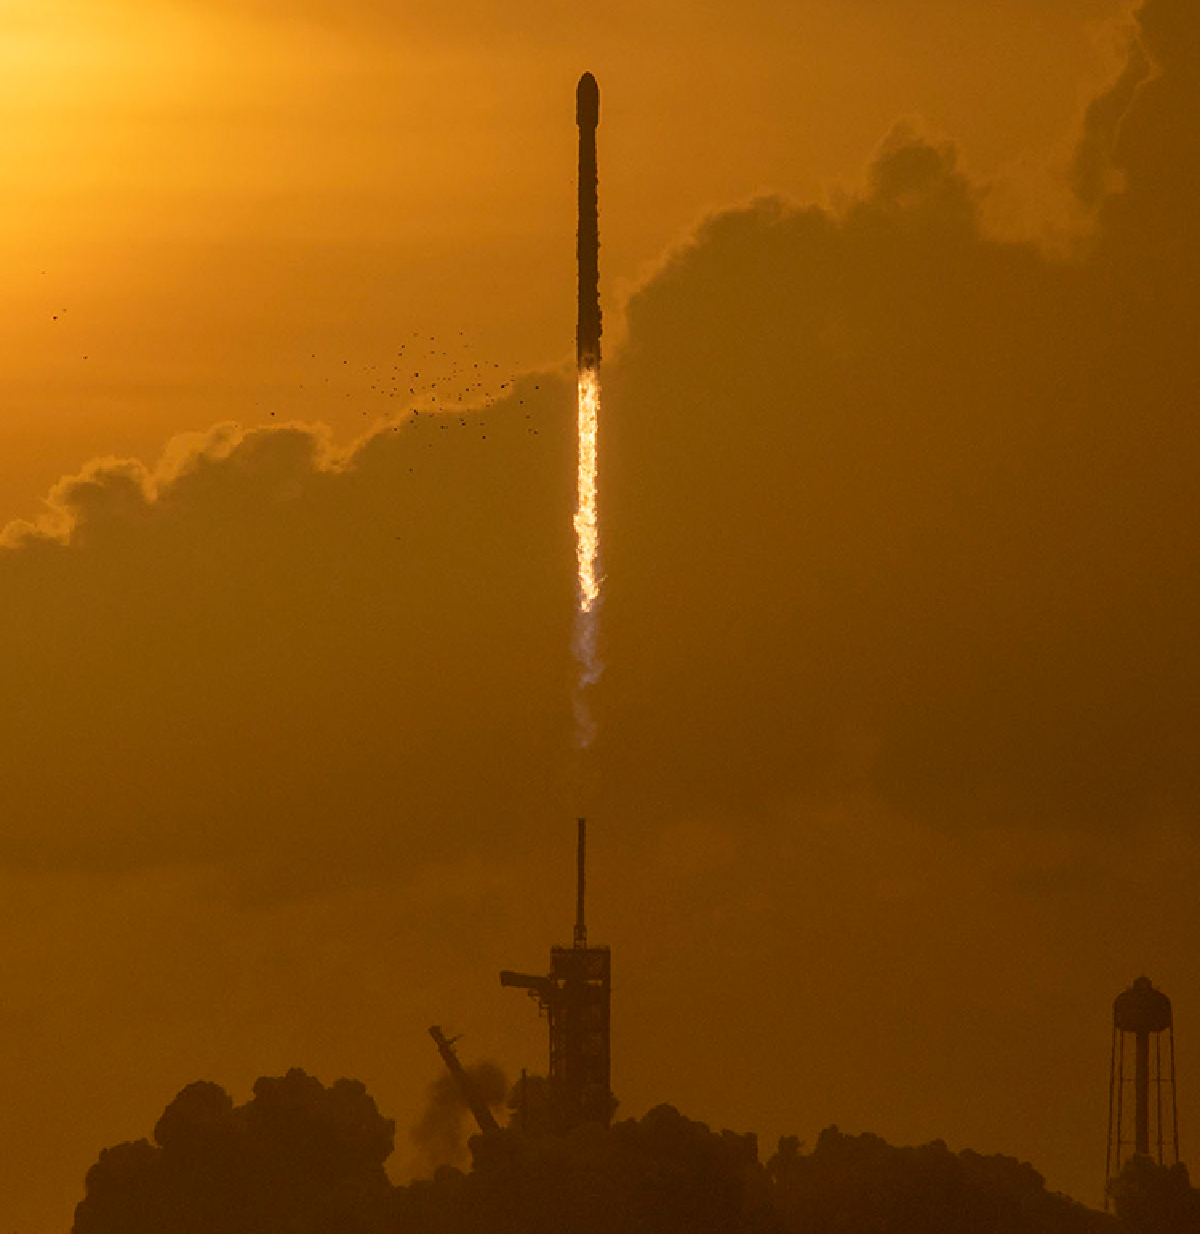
587 102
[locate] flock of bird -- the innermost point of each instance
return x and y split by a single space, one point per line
452 383
432 382
424 382
435 385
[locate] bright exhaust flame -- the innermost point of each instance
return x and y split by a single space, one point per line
587 532
587 552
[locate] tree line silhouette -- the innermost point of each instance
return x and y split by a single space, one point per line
307 1158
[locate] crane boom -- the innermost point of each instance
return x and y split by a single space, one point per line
478 1107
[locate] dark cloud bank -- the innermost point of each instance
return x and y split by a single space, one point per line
309 1159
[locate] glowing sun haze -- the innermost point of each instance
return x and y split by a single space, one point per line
895 760
215 190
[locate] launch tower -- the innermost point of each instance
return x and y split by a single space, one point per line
575 997
1141 1015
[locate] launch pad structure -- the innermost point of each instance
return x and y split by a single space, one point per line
576 998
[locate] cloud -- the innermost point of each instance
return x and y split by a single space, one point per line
885 501
314 1156
1143 129
295 1149
878 474
258 638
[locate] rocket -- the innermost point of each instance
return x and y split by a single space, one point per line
587 117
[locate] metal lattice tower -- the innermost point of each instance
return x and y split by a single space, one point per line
1141 1017
576 999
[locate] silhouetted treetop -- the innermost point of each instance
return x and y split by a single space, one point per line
298 1157
1154 1199
303 1158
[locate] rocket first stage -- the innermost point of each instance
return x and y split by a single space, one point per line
587 117
587 344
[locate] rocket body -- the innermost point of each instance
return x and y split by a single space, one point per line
587 117
587 344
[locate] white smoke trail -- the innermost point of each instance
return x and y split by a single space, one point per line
587 552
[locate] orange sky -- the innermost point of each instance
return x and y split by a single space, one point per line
896 778
215 191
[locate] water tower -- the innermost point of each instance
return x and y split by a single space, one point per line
1141 1061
